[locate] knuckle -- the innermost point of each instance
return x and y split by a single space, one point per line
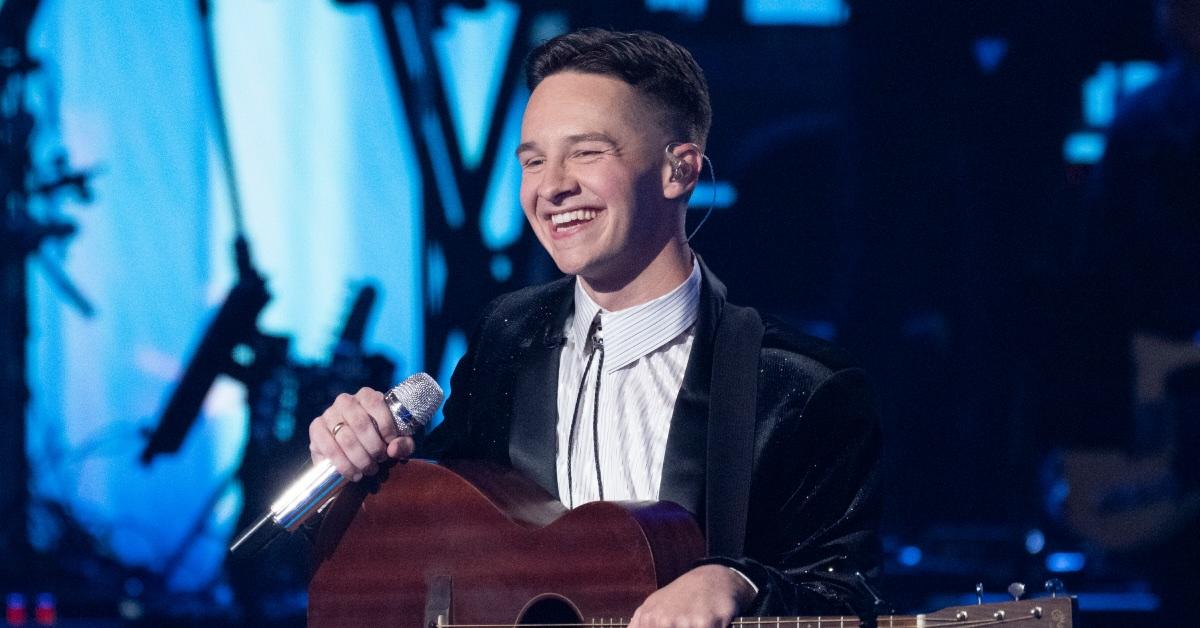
356 417
338 406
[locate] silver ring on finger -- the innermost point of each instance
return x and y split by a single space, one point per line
340 425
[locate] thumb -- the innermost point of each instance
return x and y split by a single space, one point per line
401 447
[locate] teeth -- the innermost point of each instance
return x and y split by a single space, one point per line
579 214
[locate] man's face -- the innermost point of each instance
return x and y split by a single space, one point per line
593 166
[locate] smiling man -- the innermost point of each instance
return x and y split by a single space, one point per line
610 382
604 182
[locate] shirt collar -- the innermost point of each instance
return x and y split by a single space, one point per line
637 331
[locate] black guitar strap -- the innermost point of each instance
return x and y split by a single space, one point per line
731 420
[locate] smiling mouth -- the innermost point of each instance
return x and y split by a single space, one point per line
566 220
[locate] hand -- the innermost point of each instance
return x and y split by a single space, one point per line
708 596
356 433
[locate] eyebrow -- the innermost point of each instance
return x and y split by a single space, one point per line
571 139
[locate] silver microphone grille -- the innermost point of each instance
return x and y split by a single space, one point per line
413 402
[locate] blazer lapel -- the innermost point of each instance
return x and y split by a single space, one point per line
532 441
684 460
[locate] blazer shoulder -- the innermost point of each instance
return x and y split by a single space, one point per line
534 305
816 354
521 303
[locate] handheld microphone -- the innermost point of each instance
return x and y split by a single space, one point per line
412 403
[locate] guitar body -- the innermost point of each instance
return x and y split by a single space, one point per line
466 544
487 546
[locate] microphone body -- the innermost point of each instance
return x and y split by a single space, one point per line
412 403
307 495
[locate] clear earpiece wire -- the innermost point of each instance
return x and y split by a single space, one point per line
712 201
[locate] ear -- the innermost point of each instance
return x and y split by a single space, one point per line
682 162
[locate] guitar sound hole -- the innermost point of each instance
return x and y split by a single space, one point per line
551 610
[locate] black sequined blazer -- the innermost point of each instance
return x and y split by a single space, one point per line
813 507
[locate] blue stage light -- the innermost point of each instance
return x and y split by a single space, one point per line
1085 147
410 45
456 347
693 9
501 267
501 221
1035 541
1103 91
1136 75
472 52
1100 96
1065 562
990 52
703 195
443 171
796 12
910 556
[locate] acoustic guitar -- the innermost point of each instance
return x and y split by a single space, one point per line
470 545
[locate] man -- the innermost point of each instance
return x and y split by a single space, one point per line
598 385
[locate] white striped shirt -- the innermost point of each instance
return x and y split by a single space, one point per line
646 349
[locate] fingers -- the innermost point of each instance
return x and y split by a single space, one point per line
356 433
656 618
401 448
361 413
323 446
705 597
373 402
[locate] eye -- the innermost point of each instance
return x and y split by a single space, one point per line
588 153
532 163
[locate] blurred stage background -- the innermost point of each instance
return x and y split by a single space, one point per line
916 180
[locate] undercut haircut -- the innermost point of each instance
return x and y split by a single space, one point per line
654 65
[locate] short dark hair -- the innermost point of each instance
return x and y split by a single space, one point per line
654 65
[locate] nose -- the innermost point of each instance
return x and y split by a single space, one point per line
556 184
